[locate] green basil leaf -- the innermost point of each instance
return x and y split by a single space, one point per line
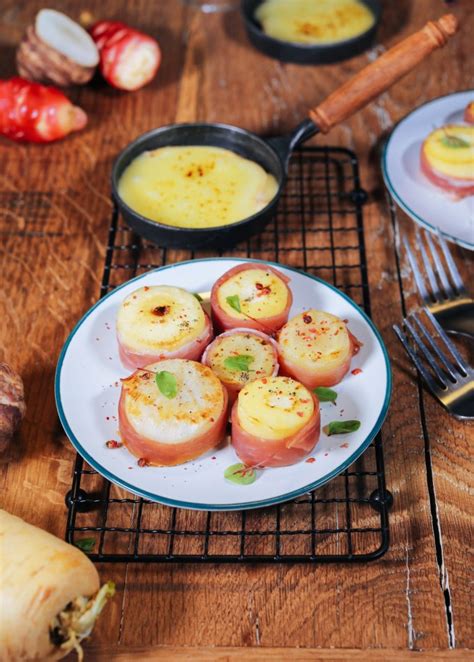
198 297
341 427
234 302
239 363
453 141
240 474
167 384
325 394
85 544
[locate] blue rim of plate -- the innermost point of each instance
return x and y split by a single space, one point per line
388 183
230 506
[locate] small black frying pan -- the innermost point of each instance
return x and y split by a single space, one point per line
274 154
308 53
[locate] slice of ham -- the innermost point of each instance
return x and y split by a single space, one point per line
232 388
469 113
165 454
269 325
193 350
257 452
456 187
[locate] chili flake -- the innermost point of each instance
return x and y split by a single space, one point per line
263 289
113 444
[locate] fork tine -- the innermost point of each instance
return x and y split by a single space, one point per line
453 270
420 283
430 382
461 365
447 366
448 291
426 352
428 267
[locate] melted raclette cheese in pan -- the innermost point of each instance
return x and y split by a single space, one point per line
314 21
195 186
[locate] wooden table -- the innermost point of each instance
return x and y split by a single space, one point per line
417 597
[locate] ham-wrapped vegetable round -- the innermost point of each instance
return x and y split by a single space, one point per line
50 593
447 159
275 422
239 356
251 295
172 412
316 348
161 322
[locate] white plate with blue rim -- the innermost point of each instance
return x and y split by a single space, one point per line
425 203
87 389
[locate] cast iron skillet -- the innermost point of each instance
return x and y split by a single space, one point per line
273 154
308 53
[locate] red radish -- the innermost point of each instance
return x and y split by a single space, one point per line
30 112
129 59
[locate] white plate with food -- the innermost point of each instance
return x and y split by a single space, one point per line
428 166
292 389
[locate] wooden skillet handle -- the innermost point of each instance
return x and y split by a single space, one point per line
381 74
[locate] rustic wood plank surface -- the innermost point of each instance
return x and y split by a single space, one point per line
274 654
54 215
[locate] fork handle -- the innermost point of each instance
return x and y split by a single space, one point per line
383 73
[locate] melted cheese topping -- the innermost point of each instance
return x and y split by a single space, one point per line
315 340
241 343
261 294
450 151
193 411
314 21
274 407
159 318
196 186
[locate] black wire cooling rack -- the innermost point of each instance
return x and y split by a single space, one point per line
318 228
